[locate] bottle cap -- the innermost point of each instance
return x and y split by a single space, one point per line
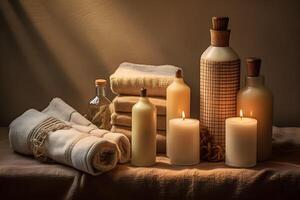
219 33
143 92
100 82
179 73
253 66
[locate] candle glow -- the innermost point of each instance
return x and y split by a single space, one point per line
183 115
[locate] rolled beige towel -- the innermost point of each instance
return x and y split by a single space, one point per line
124 119
160 137
62 111
38 134
129 78
122 142
124 104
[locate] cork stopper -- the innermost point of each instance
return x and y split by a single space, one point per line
143 92
100 82
253 66
220 23
179 73
219 33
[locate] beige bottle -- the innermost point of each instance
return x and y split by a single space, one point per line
143 132
178 101
257 101
219 82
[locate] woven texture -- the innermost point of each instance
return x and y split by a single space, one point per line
219 84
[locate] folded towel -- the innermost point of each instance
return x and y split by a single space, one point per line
160 137
38 134
129 78
286 135
125 103
124 119
62 111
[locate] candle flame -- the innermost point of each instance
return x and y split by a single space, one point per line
251 114
241 114
183 115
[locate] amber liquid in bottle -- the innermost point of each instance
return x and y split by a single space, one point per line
98 107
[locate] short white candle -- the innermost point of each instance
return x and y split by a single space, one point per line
184 141
241 141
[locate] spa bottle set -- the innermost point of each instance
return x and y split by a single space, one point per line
220 100
256 101
98 107
143 132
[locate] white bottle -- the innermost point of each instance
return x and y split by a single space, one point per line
178 101
143 132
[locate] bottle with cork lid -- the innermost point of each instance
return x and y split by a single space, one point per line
219 84
98 107
256 101
143 138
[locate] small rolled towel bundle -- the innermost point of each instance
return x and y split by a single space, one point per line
62 111
38 134
160 137
129 78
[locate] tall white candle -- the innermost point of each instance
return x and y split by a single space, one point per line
241 141
184 141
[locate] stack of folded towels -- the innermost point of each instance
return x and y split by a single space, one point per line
59 133
126 82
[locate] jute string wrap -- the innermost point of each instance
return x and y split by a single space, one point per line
219 84
40 134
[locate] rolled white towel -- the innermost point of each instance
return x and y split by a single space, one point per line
38 134
62 111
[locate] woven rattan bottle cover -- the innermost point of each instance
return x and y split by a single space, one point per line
219 84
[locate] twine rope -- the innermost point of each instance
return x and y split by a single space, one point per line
209 150
40 134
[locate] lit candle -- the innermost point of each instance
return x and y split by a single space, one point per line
241 141
184 141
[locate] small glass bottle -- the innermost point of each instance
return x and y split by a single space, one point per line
98 107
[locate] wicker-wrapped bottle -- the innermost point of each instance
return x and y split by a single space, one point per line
219 84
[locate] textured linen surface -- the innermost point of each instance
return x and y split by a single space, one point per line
124 104
22 177
129 78
65 146
59 109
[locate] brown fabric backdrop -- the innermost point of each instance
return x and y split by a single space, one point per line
56 48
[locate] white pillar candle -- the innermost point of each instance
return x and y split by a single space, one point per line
184 141
241 141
